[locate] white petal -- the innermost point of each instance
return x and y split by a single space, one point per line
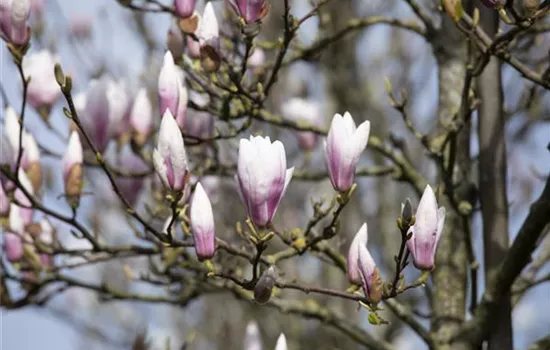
73 154
142 113
208 26
281 343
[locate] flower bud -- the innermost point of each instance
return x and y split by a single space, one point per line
264 285
169 157
257 60
185 8
43 90
25 211
72 169
202 224
169 86
96 115
193 48
370 276
208 33
262 184
407 211
250 10
141 118
426 231
31 163
14 15
360 239
343 148
281 343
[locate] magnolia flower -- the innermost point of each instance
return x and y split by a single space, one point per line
370 276
299 109
31 161
141 117
119 107
175 43
23 195
250 10
95 118
72 169
185 8
262 177
43 90
4 202
208 33
169 158
193 47
13 246
130 186
14 15
343 148
252 337
426 231
281 343
169 86
202 224
360 239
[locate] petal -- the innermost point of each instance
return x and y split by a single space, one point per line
281 343
361 238
426 215
441 213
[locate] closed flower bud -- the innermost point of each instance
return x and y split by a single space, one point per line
141 117
301 110
360 239
264 285
202 224
407 211
170 158
14 15
370 276
252 337
185 8
426 231
262 177
281 343
343 148
43 90
208 33
182 103
193 48
72 169
31 163
169 86
250 10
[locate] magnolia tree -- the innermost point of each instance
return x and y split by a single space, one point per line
271 208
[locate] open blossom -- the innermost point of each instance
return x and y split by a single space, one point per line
281 343
141 117
14 15
169 86
72 169
360 239
185 8
43 90
262 177
169 157
426 231
250 10
252 337
202 224
299 109
343 148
